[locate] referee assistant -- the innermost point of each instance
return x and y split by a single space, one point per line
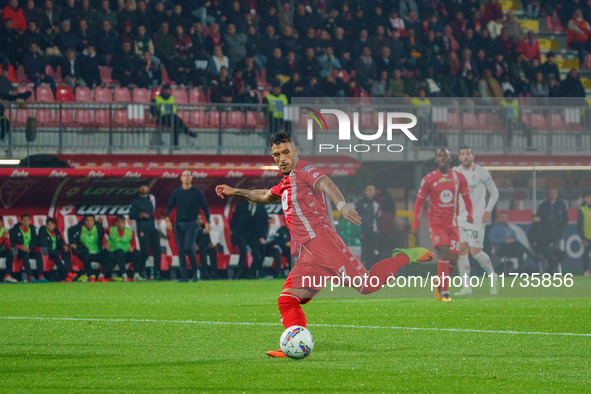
188 200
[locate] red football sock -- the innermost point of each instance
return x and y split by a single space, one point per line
443 273
291 311
383 270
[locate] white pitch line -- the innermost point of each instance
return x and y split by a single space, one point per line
222 323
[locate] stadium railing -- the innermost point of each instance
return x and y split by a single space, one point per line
70 127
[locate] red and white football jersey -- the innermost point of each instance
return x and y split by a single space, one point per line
303 205
444 192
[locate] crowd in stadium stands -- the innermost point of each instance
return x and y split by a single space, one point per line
314 48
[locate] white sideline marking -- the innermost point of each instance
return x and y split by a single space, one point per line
222 323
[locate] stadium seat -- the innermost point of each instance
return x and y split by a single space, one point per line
165 78
83 117
121 95
20 118
556 122
454 122
102 95
49 71
197 119
101 118
21 76
58 74
44 94
180 96
141 95
215 118
45 117
83 95
255 120
235 120
12 74
488 121
64 93
470 121
196 96
184 115
67 117
106 74
25 88
120 117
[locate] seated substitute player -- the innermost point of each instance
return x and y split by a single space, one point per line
472 234
87 243
443 186
320 250
122 249
57 250
6 252
24 238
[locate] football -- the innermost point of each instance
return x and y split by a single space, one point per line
297 342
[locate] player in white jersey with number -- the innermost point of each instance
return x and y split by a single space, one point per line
472 234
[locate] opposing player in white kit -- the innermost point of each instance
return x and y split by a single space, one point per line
472 234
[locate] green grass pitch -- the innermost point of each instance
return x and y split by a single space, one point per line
149 337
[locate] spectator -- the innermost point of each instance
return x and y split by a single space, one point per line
310 65
493 10
578 33
504 239
205 13
513 27
572 85
488 86
500 67
142 210
6 253
205 248
87 241
583 227
249 74
188 201
185 69
539 87
396 84
72 70
122 249
107 43
125 64
412 21
468 85
289 41
529 47
84 36
198 40
143 42
333 86
385 61
127 14
550 66
218 60
213 38
142 15
532 8
270 19
182 41
495 27
34 65
51 239
89 67
127 33
249 226
165 112
290 66
31 36
159 16
469 41
23 237
460 25
69 11
236 16
554 89
285 16
295 87
235 44
302 19
328 62
66 38
379 87
105 14
33 13
14 12
178 18
395 22
164 47
148 74
221 88
276 102
88 13
275 65
379 41
408 6
50 15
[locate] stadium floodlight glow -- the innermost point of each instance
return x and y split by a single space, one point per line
9 162
538 168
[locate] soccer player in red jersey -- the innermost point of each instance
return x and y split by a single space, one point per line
321 252
444 188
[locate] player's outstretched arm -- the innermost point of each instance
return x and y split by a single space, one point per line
260 195
324 184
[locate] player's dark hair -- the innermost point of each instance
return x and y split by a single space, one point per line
88 216
50 220
25 215
465 147
120 217
144 183
280 138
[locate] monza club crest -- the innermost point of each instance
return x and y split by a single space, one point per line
13 189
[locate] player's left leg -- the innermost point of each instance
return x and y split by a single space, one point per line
464 262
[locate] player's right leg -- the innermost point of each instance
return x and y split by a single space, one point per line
464 263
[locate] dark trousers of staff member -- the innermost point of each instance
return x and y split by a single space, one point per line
149 239
185 234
